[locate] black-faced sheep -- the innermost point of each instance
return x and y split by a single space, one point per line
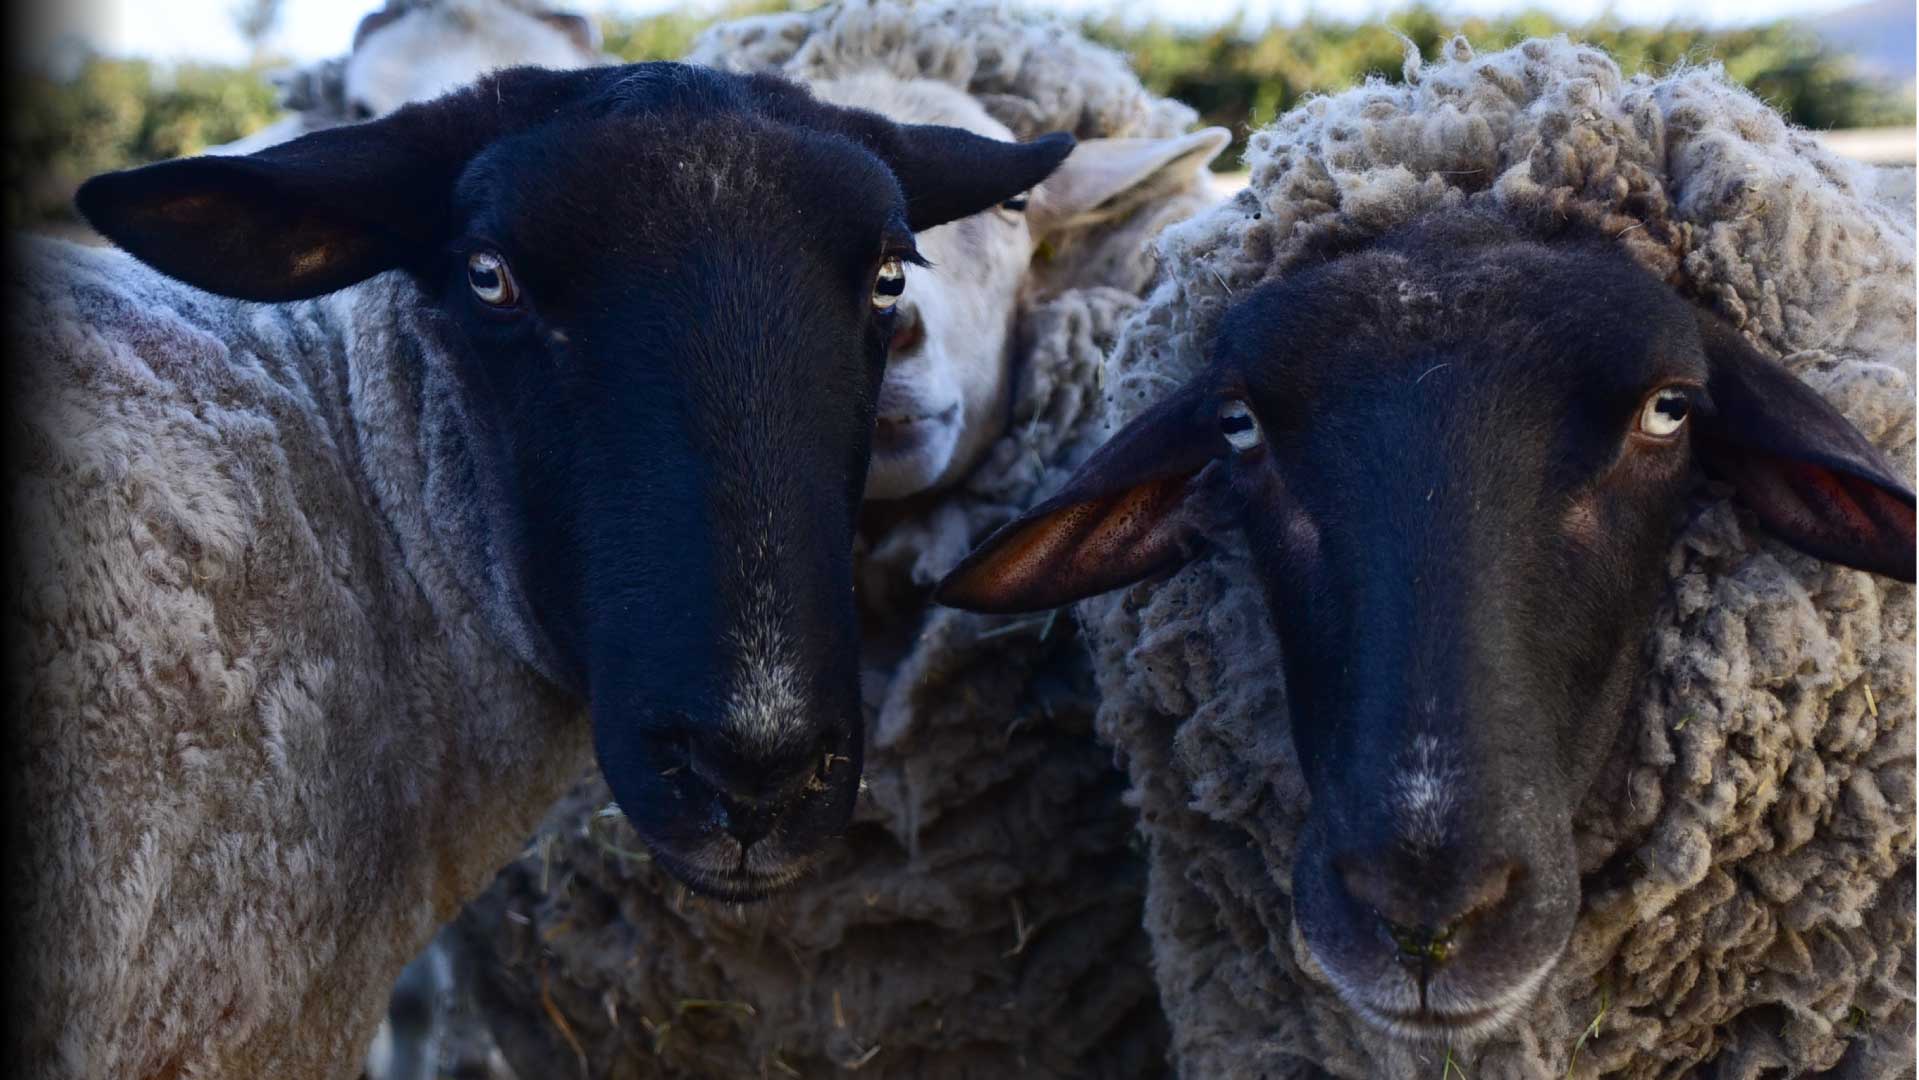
982 917
1581 777
312 596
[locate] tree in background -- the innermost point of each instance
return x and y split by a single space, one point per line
117 112
256 20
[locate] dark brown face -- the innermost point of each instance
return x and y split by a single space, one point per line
660 299
1459 489
1461 496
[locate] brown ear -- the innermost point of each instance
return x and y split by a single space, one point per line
1813 480
1125 515
581 30
1106 178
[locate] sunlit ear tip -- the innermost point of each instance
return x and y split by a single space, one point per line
1055 144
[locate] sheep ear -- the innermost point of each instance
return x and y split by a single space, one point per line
1106 178
946 173
320 212
949 173
1128 513
371 23
1810 476
580 29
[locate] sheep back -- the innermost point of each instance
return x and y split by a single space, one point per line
218 650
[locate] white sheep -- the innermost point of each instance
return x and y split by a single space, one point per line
413 50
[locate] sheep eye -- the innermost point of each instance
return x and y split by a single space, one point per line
1236 422
360 110
1016 204
890 283
1664 413
490 280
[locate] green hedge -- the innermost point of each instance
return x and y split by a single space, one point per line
117 112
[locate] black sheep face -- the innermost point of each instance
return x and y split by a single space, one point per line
658 300
1460 458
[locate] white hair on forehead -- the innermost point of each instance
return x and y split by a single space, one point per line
1425 793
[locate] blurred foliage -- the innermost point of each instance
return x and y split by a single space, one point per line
113 113
116 113
1240 78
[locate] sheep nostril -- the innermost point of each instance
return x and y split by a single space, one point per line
747 823
1421 946
1424 910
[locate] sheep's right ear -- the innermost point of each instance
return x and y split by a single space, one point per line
1128 513
323 211
1810 476
1108 178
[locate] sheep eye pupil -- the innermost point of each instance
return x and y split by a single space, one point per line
1016 204
889 284
1664 413
488 277
1237 424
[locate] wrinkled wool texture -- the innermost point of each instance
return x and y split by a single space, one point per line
262 745
1749 850
982 916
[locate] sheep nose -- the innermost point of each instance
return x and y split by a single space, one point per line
1422 908
752 791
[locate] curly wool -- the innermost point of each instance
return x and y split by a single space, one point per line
226 575
982 916
1749 851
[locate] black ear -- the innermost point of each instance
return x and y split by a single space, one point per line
946 173
1810 476
325 210
1126 514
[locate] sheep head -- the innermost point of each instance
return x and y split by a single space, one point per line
1460 456
407 52
945 397
654 306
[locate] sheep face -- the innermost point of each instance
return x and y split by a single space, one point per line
1459 458
654 306
416 53
950 365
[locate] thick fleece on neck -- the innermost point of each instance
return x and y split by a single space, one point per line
1749 850
263 742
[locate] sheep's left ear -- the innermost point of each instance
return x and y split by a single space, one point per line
1107 178
1810 476
1128 513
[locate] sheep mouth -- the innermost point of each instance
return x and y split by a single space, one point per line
1434 1025
896 435
733 884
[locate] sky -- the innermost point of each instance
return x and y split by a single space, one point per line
312 29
